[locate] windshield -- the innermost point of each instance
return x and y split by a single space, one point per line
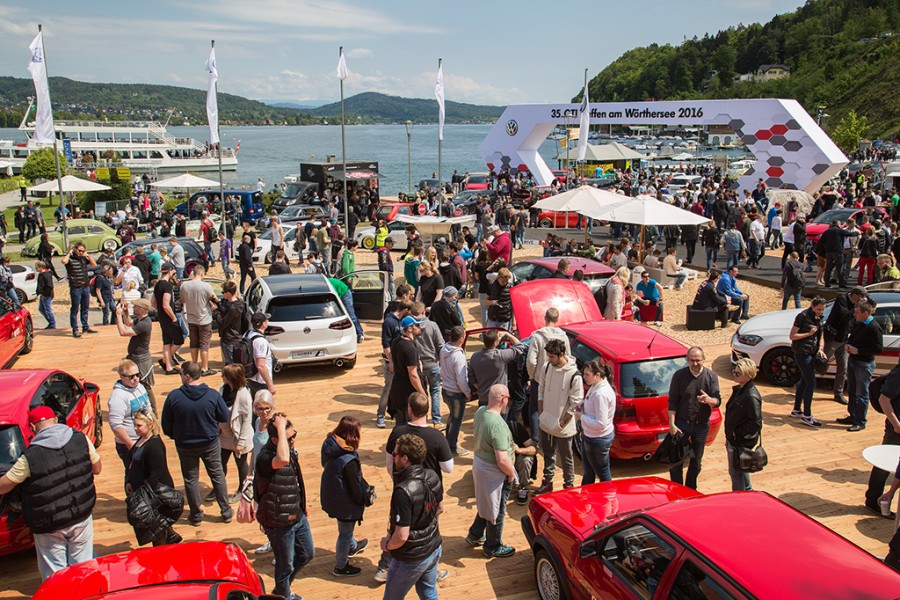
841 214
293 190
12 445
304 308
477 179
648 379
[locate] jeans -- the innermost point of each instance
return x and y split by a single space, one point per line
744 304
345 544
347 299
493 532
482 301
179 318
859 374
803 393
190 458
391 291
386 390
431 382
551 446
68 546
207 247
533 416
108 310
520 237
697 434
596 458
81 301
734 257
226 268
837 350
45 307
753 253
422 574
740 480
788 294
500 324
456 402
293 548
227 353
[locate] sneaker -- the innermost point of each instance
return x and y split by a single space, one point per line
856 427
810 421
177 359
348 571
461 452
442 574
381 575
234 498
360 546
438 426
76 333
475 542
501 552
379 423
522 497
797 413
547 486
227 517
360 339
208 372
264 549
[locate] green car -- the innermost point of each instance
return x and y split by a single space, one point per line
93 234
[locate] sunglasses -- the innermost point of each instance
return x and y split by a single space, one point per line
291 439
131 375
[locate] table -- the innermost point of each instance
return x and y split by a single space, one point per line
885 457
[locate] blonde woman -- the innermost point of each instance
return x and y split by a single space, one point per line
431 284
236 436
131 294
615 294
743 420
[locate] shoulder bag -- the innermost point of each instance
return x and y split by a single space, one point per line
753 460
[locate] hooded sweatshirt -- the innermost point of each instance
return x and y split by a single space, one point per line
537 358
192 413
454 371
560 390
124 403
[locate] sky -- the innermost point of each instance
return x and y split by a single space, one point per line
287 50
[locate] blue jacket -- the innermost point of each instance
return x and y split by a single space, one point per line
728 286
192 413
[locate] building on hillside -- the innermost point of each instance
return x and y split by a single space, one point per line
765 73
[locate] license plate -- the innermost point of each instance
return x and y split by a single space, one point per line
660 437
307 354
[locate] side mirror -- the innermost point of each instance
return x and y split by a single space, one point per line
587 550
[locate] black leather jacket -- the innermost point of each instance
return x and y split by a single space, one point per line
743 416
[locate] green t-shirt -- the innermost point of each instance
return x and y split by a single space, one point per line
491 434
155 259
339 287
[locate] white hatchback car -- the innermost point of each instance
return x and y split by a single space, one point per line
25 280
308 323
262 254
397 231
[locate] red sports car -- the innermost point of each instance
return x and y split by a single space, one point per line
16 331
191 571
817 226
548 219
75 402
644 538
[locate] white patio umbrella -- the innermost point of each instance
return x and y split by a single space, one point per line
583 197
70 183
185 181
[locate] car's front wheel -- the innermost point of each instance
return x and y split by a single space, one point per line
550 585
546 223
780 368
110 245
368 243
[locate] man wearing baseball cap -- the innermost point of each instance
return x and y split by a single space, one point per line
138 331
263 379
405 358
56 479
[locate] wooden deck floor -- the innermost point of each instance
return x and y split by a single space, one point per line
821 473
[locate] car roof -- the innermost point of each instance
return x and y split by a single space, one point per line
773 550
158 240
628 342
71 222
588 265
884 296
19 386
297 283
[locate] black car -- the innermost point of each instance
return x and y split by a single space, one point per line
193 252
466 200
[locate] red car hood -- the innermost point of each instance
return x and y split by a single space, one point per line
815 229
531 299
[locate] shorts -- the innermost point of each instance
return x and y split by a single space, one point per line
171 333
200 335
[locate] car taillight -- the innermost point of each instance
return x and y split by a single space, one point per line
203 255
625 412
342 324
29 277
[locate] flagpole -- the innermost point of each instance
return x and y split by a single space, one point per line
219 145
344 159
62 205
440 140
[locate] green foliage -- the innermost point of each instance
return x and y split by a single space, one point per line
850 131
834 48
40 165
372 107
269 199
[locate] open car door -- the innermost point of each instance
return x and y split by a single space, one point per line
370 293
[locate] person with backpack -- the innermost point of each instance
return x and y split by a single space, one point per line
792 280
207 236
255 353
229 316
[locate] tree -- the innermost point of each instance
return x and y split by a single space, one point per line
850 131
40 165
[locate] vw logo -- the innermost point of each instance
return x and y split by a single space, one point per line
512 128
306 330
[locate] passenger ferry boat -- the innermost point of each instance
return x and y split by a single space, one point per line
142 146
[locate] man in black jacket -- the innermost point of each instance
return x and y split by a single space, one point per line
865 342
709 298
837 328
445 312
281 494
229 317
245 260
831 245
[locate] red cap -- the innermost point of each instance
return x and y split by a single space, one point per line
40 413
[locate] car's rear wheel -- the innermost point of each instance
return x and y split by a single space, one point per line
546 223
28 346
98 426
110 245
550 584
780 368
23 297
368 243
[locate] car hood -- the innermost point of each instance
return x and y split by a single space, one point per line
770 324
573 300
815 228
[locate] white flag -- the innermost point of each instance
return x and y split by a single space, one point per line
584 124
439 94
342 71
212 105
43 126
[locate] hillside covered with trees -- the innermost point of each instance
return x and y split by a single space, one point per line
843 55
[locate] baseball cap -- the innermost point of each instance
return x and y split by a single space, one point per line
493 228
451 291
259 318
40 413
166 267
141 303
410 321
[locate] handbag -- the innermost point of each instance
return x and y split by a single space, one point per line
753 460
246 513
674 450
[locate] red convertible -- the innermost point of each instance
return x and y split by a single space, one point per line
16 331
637 539
75 402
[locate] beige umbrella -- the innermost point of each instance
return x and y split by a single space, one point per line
70 183
185 181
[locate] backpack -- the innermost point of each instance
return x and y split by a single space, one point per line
875 387
600 297
796 278
243 354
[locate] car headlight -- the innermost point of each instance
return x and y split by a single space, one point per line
748 340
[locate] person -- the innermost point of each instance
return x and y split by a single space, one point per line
455 386
596 415
245 260
176 257
23 189
446 312
344 292
727 285
493 474
498 244
127 398
163 301
743 421
146 463
893 556
756 241
235 435
78 262
414 538
263 408
277 235
385 265
431 284
560 391
281 495
102 288
889 400
405 361
712 241
806 342
390 330
831 246
615 294
229 317
279 264
139 332
225 254
672 268
489 365
562 270
498 301
429 343
197 296
535 361
45 254
56 474
792 280
649 293
837 329
348 261
734 245
263 357
693 393
155 259
866 341
438 456
344 492
45 294
191 417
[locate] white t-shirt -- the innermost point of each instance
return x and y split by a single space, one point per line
261 347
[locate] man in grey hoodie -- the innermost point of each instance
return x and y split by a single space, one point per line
128 397
537 358
559 392
456 391
56 474
429 344
487 367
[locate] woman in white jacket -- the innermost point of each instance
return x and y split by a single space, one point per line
236 436
597 422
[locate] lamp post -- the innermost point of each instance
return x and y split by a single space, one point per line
409 129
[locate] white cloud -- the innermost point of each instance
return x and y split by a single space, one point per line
359 53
